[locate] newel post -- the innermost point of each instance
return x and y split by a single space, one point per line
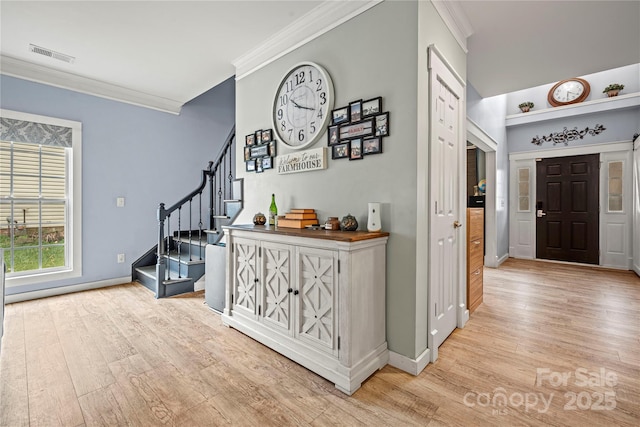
160 262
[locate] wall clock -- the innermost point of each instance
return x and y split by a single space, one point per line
570 91
302 105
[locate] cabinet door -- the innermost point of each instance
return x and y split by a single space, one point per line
317 301
276 287
245 286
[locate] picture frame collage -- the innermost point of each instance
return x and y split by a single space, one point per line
259 150
357 129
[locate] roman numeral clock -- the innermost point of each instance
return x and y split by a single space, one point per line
302 105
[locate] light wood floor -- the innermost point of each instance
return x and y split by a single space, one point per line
117 356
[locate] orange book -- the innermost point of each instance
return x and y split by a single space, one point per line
301 216
302 210
296 223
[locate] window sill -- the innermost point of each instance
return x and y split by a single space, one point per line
33 279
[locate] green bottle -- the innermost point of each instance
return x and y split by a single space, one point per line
273 211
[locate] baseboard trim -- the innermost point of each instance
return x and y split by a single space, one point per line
44 293
411 366
502 259
636 268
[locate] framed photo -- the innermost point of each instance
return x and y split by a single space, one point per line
340 115
259 167
355 111
247 153
258 136
340 151
371 107
258 151
382 124
250 139
356 130
355 150
332 135
267 163
372 145
250 165
266 135
272 149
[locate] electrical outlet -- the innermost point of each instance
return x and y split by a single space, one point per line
120 202
120 258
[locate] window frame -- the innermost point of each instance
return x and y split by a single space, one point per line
73 235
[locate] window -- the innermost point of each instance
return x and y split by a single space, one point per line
523 190
39 199
615 186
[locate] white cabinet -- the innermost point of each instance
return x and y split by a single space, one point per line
317 297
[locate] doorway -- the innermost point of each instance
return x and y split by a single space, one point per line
567 217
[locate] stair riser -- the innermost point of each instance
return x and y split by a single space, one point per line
195 271
196 250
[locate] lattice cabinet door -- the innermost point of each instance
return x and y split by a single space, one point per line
276 287
245 278
317 301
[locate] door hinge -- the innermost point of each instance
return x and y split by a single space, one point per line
338 343
538 160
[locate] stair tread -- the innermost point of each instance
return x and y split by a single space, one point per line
184 257
150 271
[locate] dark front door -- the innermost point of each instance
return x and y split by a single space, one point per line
567 208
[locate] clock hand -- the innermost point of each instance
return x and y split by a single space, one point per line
300 106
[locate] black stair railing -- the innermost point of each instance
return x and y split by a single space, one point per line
166 244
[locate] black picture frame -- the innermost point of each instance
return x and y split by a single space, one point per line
372 145
247 153
259 168
340 151
382 124
333 135
250 165
355 111
340 115
354 130
371 107
250 139
355 149
272 149
258 136
266 136
259 151
267 163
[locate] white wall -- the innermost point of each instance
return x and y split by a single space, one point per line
636 206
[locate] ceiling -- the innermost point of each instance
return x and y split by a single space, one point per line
169 52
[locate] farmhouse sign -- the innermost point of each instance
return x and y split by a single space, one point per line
302 161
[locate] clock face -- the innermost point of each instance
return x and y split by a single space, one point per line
569 91
302 105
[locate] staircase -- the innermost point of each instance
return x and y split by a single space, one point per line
173 265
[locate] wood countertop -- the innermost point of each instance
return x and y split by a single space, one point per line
341 236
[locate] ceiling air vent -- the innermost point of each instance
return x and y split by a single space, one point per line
51 54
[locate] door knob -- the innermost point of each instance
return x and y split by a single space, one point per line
540 213
457 224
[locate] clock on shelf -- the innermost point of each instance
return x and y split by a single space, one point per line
570 91
302 105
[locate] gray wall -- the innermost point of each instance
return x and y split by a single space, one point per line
143 155
378 53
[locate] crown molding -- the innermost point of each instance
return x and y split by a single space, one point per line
15 67
322 19
455 19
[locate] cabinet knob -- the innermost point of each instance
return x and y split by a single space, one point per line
296 292
256 280
289 290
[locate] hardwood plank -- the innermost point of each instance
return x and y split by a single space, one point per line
14 396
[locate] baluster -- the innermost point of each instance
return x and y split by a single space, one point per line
179 241
223 174
190 259
219 205
160 261
212 201
168 243
200 224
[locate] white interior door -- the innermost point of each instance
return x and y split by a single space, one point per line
445 148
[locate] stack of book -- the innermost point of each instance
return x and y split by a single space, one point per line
298 218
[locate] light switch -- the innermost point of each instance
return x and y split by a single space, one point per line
120 202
